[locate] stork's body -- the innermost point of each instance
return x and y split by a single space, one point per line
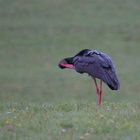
97 65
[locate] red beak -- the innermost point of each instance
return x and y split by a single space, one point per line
63 64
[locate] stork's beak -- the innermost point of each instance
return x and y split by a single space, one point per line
63 64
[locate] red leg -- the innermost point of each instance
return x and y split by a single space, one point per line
100 93
96 85
97 91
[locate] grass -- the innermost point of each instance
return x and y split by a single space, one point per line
70 121
40 101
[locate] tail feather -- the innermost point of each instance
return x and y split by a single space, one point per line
111 80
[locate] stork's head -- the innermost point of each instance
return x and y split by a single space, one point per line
66 63
69 61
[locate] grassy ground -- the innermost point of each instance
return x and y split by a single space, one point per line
70 121
40 101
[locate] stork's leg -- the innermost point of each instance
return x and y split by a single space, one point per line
96 85
100 93
97 91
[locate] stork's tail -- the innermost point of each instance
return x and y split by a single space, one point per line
112 80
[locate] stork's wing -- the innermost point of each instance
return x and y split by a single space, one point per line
99 66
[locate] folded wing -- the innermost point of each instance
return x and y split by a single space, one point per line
98 65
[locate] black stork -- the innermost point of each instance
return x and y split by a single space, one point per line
95 63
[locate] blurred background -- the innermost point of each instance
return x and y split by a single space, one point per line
36 34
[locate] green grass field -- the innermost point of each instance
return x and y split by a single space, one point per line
39 101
